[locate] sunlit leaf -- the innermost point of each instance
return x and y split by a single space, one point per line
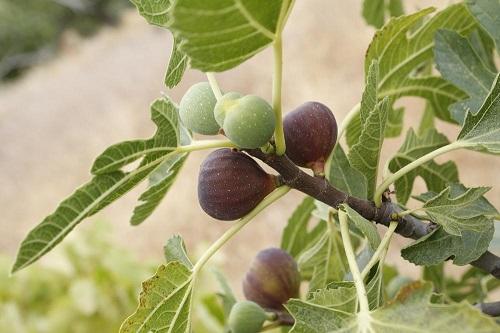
164 303
481 131
401 52
220 34
176 66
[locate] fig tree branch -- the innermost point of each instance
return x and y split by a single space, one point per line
491 309
320 189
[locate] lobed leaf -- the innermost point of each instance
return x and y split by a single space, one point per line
456 213
401 51
481 131
344 177
164 303
436 176
484 11
376 11
365 155
220 34
411 311
460 64
175 250
160 182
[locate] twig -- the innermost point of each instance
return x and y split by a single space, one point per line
319 188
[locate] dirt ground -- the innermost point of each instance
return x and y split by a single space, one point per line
57 118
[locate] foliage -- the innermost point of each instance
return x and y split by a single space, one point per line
339 251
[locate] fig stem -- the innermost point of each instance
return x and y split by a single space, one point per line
381 249
348 119
377 197
279 135
205 144
214 85
351 260
233 230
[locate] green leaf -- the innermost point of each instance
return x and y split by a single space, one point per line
456 213
344 177
166 139
439 245
366 227
160 182
227 295
481 131
326 258
486 13
411 311
164 303
295 235
460 64
340 296
436 275
394 125
436 176
176 66
157 12
364 155
375 11
220 34
175 250
400 54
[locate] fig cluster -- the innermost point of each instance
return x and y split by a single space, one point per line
248 121
273 278
231 184
310 135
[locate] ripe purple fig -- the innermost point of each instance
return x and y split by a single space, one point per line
231 184
273 278
310 135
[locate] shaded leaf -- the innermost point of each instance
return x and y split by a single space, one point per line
394 125
220 34
344 177
160 182
481 131
436 176
227 295
295 235
175 250
456 213
366 227
400 53
376 11
460 64
486 13
438 246
164 303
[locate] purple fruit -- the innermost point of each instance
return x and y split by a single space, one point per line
272 280
310 135
231 184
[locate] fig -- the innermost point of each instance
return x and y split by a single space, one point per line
196 109
248 121
273 278
231 184
246 317
310 135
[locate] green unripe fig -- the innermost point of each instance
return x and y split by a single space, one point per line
246 317
197 109
273 278
231 184
310 135
248 121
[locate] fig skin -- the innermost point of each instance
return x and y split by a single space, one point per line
273 278
196 109
310 135
248 121
231 184
246 317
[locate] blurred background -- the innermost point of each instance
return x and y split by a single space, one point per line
77 76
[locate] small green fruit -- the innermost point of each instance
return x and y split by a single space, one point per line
197 109
273 278
248 121
246 317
